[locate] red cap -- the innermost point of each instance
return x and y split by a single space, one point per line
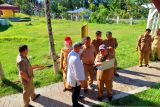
67 39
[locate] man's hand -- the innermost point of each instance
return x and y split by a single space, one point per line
98 63
81 82
25 76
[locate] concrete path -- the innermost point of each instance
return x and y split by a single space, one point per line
131 81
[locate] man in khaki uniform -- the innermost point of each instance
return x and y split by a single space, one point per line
26 75
156 45
106 76
97 41
144 47
111 44
63 60
88 57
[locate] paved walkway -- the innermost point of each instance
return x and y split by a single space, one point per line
131 80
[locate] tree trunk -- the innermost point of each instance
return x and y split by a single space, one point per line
1 72
50 36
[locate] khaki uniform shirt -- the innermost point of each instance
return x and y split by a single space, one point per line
63 58
144 43
111 43
106 74
24 65
88 55
96 43
156 41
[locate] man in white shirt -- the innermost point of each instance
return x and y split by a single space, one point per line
75 73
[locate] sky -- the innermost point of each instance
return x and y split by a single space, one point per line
40 0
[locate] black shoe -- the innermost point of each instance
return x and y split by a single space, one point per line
91 87
64 90
85 90
116 74
36 97
158 59
110 98
147 65
30 105
140 65
78 105
100 98
81 97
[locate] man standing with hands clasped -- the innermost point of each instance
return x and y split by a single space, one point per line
26 75
75 73
144 47
88 56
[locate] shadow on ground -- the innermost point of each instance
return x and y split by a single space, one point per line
134 100
128 101
4 28
47 102
9 83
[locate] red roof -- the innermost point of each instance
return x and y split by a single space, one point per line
9 7
157 4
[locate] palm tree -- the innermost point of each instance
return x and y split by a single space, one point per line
50 36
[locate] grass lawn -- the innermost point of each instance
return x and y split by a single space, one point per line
34 34
149 97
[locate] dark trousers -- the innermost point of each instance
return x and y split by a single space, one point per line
75 95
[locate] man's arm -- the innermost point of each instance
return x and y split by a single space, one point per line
138 43
94 51
78 70
116 43
96 62
61 59
23 74
150 43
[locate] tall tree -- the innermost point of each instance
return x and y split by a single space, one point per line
50 36
1 72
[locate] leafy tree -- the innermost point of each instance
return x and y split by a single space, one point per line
1 1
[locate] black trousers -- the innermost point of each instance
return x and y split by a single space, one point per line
75 95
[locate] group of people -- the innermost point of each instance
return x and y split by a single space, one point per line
80 61
80 64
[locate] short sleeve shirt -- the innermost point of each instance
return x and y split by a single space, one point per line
24 65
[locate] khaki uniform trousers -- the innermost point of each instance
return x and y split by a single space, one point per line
145 56
28 91
105 77
89 75
154 51
66 85
115 66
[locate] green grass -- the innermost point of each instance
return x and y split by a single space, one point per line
149 97
34 34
